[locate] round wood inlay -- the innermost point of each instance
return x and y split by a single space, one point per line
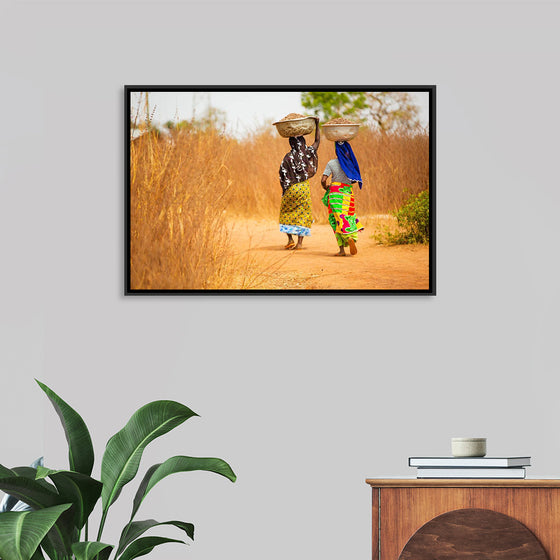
469 534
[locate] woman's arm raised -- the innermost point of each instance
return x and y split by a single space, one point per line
315 144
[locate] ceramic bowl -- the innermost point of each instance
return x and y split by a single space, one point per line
468 447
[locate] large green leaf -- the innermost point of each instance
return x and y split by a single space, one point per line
6 472
175 465
29 491
27 472
38 496
11 503
58 543
124 450
90 549
80 448
38 555
31 473
142 546
60 538
50 550
22 532
133 530
79 489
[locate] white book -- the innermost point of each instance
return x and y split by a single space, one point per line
469 461
477 472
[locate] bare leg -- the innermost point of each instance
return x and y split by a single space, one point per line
341 252
340 243
291 244
299 242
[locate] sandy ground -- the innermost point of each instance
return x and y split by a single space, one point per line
267 265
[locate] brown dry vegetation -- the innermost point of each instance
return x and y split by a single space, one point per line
179 192
188 188
393 167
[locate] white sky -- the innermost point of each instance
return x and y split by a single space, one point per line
245 111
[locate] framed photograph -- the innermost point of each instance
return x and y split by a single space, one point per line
280 190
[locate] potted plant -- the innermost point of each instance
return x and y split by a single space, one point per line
62 501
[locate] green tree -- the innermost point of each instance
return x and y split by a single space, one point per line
331 104
384 110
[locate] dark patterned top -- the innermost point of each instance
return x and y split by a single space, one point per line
299 164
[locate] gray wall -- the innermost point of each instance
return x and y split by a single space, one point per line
304 413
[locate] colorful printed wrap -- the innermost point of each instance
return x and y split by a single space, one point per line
299 163
339 199
295 210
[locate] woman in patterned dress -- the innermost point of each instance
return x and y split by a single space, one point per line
298 166
339 198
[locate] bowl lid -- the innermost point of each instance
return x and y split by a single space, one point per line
466 439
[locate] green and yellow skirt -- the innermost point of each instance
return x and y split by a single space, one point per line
339 199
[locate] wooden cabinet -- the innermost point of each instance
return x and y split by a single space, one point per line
401 507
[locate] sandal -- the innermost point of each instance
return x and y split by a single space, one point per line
352 245
290 245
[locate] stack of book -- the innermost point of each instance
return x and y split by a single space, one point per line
470 467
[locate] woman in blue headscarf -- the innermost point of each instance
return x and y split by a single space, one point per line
339 197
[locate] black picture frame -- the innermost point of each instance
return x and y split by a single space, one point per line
429 289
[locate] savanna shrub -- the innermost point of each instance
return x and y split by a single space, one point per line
413 221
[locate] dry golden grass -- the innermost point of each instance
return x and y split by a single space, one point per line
187 188
180 190
393 167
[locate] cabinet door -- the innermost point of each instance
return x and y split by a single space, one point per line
464 534
403 511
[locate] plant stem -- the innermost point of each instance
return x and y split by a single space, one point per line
102 524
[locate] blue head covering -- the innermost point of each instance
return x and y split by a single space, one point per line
348 162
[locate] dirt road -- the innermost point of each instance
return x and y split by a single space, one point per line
267 265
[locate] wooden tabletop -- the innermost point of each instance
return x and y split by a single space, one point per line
463 482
